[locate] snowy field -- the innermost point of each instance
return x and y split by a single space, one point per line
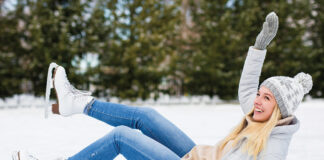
26 128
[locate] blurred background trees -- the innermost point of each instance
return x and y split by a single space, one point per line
133 59
140 49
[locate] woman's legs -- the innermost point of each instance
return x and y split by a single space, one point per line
159 130
130 143
146 119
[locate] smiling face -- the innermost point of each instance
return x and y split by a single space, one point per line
264 104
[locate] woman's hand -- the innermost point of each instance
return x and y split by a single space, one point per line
268 32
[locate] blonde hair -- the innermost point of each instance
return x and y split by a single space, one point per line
257 134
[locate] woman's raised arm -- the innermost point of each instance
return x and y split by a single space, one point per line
249 81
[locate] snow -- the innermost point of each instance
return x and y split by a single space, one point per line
25 128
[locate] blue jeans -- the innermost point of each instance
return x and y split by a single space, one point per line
159 140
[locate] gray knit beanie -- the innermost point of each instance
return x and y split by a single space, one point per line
288 91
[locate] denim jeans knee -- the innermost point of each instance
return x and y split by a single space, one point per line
148 112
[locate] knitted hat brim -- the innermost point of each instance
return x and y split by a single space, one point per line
276 93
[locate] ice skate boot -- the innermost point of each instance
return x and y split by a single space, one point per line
69 99
24 155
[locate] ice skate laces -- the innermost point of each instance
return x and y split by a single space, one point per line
77 94
30 157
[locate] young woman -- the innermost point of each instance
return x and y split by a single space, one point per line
264 132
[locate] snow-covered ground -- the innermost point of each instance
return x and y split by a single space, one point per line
26 128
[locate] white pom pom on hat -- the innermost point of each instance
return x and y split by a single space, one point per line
305 80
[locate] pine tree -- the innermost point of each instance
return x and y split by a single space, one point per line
11 75
315 58
133 61
38 33
217 53
228 28
190 47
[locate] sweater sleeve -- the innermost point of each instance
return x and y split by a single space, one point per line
249 81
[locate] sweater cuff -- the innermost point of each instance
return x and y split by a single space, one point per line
256 53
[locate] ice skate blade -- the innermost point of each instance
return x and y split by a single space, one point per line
49 86
15 155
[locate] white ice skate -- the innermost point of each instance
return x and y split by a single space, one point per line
69 99
24 155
